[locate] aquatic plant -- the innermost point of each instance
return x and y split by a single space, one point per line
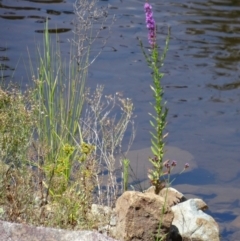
159 118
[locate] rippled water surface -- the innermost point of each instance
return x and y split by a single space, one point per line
202 83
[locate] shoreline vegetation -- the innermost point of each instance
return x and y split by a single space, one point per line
59 140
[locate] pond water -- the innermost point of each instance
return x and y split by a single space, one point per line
202 84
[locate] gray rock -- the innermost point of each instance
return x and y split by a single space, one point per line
191 223
23 232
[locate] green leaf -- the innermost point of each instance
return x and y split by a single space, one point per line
154 151
155 164
152 116
154 136
153 89
144 53
152 124
155 145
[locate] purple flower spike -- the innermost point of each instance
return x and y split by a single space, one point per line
151 26
186 166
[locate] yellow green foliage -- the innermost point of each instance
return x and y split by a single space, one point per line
16 125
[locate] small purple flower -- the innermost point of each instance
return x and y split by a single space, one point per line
174 163
151 26
186 166
166 164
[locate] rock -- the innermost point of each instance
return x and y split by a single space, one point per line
150 190
23 232
172 196
140 216
191 223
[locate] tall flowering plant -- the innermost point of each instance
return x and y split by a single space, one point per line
159 118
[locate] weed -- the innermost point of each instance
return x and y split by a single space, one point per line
105 130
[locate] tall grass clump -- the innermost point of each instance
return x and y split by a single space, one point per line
60 99
60 95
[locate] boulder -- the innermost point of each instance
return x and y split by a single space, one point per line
142 216
23 232
191 223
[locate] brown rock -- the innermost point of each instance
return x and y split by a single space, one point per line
172 196
142 216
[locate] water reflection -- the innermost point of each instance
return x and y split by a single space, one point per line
20 20
4 6
49 11
229 86
216 27
14 17
44 1
55 30
3 65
